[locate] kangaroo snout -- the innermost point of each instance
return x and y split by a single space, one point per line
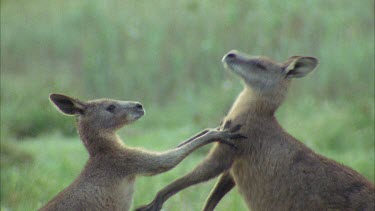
139 106
230 55
137 110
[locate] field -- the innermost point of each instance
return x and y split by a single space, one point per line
167 56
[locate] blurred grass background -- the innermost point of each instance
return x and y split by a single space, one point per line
167 56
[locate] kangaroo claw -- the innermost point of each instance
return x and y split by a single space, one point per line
237 136
229 144
227 124
235 128
194 137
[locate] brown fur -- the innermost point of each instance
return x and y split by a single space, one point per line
272 169
107 180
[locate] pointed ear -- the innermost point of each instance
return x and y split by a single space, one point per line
299 66
67 105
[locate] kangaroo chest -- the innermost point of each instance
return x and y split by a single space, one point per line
123 194
116 195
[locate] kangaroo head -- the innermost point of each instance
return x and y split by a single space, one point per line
265 77
102 114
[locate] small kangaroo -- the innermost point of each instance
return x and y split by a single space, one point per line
107 180
272 169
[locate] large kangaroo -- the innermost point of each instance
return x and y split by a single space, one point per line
272 169
106 182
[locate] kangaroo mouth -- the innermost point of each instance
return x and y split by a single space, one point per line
224 60
231 65
135 115
139 114
231 60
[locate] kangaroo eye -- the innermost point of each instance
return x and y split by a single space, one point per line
260 66
111 108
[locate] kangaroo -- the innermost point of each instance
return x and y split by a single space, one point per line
272 169
107 180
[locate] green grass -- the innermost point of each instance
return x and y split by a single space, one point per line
134 51
57 160
167 56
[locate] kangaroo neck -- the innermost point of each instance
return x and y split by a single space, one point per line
98 141
251 107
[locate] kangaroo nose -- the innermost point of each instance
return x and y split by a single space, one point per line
139 106
231 55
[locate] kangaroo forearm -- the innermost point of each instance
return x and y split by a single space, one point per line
193 137
157 163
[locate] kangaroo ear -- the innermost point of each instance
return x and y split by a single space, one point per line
299 66
67 105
